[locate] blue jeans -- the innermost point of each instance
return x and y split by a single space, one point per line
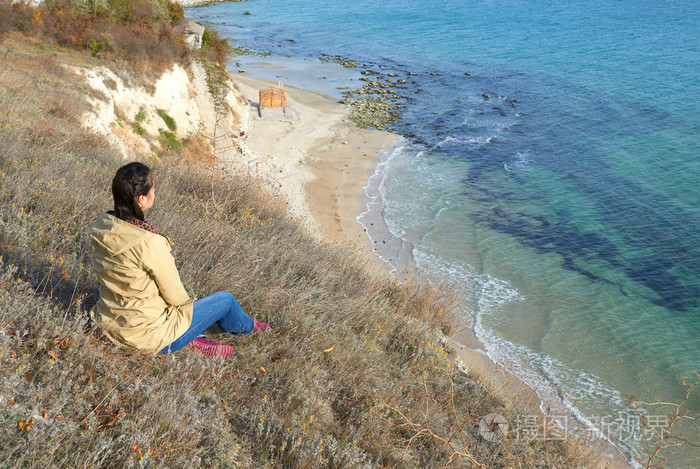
221 308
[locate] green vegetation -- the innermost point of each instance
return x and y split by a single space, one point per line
354 375
139 32
138 118
218 84
213 43
370 111
242 50
169 121
168 140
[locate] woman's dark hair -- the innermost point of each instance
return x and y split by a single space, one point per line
132 180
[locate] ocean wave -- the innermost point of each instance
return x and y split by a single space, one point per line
448 141
519 164
385 240
561 389
564 391
483 291
475 134
470 143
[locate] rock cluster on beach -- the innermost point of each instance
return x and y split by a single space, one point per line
378 102
244 50
347 63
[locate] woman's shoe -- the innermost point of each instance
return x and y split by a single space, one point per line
262 327
211 348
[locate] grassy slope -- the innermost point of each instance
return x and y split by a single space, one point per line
352 376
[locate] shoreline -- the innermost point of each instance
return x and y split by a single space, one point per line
322 162
317 158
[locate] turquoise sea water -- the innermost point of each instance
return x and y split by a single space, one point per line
565 207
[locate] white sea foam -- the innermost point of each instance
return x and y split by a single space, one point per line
388 251
414 186
449 141
562 390
559 387
468 143
519 164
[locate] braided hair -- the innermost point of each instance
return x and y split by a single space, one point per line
131 181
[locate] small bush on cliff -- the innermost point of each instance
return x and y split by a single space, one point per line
169 121
215 46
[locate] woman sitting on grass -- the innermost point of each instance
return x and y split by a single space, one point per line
142 302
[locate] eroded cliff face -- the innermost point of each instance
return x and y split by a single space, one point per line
140 118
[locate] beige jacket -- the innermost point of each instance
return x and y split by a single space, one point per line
142 301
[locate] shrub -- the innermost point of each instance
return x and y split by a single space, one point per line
15 16
139 14
101 44
175 12
140 32
168 140
169 121
215 46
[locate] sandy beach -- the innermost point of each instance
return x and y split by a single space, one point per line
320 161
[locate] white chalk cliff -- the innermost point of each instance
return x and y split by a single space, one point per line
127 113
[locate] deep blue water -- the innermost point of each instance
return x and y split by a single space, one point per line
565 206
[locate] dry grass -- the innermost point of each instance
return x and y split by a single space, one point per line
354 375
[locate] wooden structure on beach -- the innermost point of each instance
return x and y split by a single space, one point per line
273 96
